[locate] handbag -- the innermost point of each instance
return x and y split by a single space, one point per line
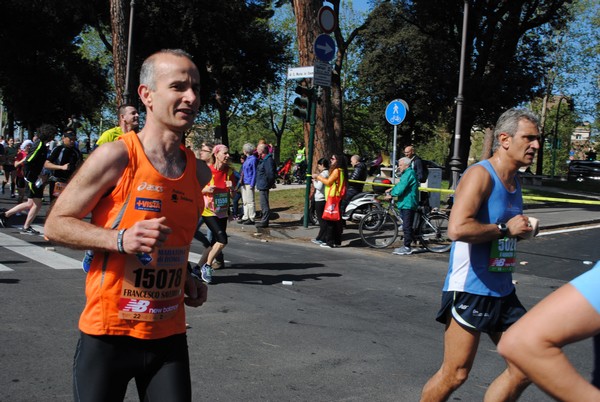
332 207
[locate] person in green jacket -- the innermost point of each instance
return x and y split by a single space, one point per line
407 192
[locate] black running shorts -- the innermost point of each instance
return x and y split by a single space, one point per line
104 365
481 313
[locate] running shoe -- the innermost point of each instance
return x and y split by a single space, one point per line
87 261
402 251
30 231
316 241
206 273
3 219
325 245
195 272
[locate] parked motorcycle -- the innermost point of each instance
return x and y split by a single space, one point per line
360 205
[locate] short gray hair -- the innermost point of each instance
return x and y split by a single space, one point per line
405 160
509 122
248 148
148 70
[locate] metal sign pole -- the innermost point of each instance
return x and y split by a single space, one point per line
394 155
311 140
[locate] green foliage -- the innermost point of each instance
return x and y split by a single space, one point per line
43 77
411 51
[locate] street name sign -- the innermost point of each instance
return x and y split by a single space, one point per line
295 73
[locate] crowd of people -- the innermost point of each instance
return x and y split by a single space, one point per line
148 195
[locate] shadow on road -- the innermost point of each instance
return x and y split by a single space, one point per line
222 277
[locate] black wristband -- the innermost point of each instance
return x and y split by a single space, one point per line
120 241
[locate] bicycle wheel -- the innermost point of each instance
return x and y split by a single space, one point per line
433 232
378 229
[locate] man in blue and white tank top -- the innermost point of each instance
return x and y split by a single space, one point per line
478 295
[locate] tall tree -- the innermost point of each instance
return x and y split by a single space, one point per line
119 44
411 51
43 76
236 65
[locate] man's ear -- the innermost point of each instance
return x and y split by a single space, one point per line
505 140
145 95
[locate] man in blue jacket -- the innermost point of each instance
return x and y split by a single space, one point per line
407 191
248 183
265 180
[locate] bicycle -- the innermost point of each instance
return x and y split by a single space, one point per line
379 228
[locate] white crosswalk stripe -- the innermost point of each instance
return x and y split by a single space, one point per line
48 257
39 254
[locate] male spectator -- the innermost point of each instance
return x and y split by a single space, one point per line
10 174
415 162
359 174
265 180
63 160
479 295
128 121
144 196
34 163
248 181
407 191
300 162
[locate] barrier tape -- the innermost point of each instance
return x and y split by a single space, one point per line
525 197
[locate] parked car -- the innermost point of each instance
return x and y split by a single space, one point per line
581 170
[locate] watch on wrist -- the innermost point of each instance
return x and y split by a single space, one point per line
503 229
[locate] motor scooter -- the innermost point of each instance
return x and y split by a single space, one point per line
360 205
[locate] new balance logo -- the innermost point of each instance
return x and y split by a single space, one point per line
137 306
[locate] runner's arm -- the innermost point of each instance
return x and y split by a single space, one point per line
96 178
534 344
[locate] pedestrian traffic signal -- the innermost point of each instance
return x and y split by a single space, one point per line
303 103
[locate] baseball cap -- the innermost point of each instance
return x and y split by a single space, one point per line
71 135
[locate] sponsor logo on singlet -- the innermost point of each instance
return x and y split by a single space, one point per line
148 204
150 187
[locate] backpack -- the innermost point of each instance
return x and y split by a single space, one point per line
425 171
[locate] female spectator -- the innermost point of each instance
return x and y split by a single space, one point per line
322 167
217 196
335 185
10 154
235 207
20 175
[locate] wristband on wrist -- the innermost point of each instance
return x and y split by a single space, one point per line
120 241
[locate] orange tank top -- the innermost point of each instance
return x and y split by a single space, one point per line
142 295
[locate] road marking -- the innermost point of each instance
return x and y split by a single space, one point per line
551 232
50 258
38 254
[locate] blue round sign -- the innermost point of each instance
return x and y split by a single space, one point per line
395 112
324 48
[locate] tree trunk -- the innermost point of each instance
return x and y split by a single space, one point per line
539 169
224 121
307 31
488 141
119 45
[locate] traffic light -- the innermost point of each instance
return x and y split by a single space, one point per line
304 103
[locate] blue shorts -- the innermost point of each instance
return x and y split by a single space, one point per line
487 314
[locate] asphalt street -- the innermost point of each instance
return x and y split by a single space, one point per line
355 325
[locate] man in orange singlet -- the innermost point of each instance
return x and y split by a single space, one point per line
144 194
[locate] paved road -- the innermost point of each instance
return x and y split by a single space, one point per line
356 324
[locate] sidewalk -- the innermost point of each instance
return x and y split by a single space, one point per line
553 216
